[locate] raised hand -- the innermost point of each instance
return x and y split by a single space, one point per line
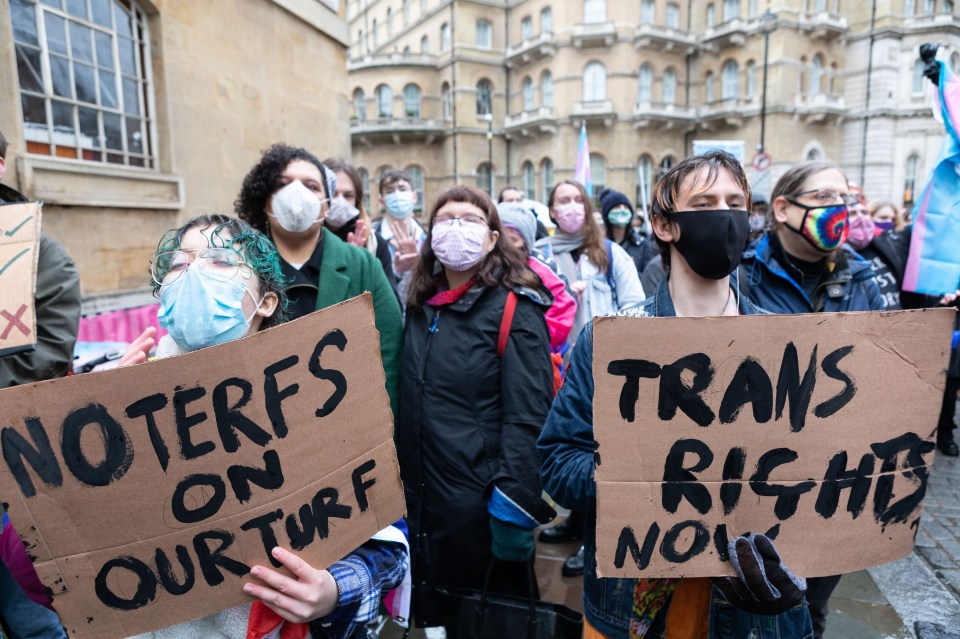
359 236
407 254
139 350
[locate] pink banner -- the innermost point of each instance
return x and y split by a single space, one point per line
119 326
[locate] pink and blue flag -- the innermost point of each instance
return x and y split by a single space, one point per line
933 267
582 171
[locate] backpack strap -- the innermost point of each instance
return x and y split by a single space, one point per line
505 322
611 280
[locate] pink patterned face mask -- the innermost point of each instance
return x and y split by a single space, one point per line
458 244
861 231
570 217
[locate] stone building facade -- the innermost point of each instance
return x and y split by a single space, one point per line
648 78
127 116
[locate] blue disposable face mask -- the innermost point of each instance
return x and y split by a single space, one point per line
199 310
399 204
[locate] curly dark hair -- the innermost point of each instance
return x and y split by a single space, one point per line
257 250
503 265
263 180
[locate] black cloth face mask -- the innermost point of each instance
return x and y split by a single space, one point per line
712 242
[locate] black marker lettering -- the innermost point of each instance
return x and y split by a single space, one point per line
841 399
230 419
39 454
338 339
146 584
267 536
270 477
675 394
732 469
301 535
209 509
209 560
628 541
360 486
182 397
679 481
325 506
883 511
790 385
668 547
632 370
750 385
273 396
167 577
838 478
146 407
117 448
788 497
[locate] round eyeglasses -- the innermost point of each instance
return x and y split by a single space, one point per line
220 263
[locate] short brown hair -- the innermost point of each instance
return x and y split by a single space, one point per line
592 237
792 181
503 265
391 177
667 190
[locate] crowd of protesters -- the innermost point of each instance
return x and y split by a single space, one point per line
482 311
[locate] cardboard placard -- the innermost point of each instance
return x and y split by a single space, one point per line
19 252
814 429
146 493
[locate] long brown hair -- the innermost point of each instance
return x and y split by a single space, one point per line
592 237
502 266
338 165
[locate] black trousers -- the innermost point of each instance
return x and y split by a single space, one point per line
819 590
946 424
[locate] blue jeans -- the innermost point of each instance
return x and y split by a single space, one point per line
23 617
729 622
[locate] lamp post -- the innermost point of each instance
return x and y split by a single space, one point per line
489 118
768 23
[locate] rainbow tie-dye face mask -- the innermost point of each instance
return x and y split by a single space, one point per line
824 227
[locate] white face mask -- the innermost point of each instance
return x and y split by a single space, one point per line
295 207
340 213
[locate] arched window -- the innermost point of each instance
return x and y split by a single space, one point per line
384 102
731 10
484 97
928 7
598 172
485 178
415 173
406 50
669 86
411 101
644 178
947 7
425 45
804 75
711 16
444 37
365 184
955 62
648 9
526 28
918 76
529 181
645 84
816 75
546 170
594 82
753 8
389 22
813 155
527 94
484 34
708 88
751 79
360 105
820 6
546 89
374 32
665 165
673 16
833 80
731 80
910 179
546 20
594 11
447 99
405 10
909 8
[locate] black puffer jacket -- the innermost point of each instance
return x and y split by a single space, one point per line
469 421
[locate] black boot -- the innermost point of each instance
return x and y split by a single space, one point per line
948 447
945 425
570 529
573 566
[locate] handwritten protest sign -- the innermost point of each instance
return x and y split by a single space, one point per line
814 429
19 242
146 493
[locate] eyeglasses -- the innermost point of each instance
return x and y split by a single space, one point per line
217 262
827 197
466 219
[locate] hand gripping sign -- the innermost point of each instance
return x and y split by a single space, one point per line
19 242
144 494
816 430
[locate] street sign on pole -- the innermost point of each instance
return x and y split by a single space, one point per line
761 161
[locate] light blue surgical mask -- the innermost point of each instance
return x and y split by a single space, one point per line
399 204
200 310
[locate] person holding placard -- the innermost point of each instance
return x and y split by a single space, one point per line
218 280
287 197
475 389
700 218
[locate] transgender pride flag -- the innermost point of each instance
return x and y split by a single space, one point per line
582 171
933 267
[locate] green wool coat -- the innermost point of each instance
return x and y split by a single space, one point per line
347 271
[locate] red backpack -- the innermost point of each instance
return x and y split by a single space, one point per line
556 359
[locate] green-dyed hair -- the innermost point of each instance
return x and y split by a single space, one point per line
257 250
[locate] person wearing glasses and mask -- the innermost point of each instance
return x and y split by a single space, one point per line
804 264
475 390
219 280
287 196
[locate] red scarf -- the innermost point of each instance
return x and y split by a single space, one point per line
446 298
263 620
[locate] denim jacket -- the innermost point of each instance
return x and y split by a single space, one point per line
567 447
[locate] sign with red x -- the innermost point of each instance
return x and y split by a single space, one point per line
19 249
